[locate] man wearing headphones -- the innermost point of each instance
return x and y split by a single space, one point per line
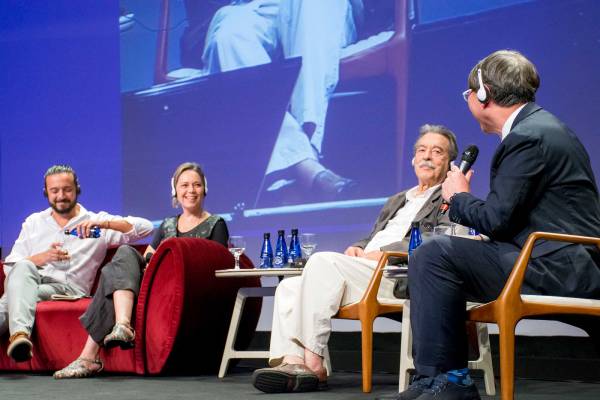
304 305
541 180
47 260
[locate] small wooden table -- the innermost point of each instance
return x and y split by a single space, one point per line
229 352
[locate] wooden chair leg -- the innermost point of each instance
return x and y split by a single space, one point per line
367 354
507 359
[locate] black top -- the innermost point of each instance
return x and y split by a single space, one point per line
212 228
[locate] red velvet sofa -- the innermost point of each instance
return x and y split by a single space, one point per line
181 317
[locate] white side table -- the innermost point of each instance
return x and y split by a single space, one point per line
229 352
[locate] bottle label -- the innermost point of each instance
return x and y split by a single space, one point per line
94 232
266 261
278 261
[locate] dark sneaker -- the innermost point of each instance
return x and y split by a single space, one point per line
443 389
416 388
286 378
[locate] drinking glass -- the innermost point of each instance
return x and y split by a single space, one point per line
237 246
62 240
308 243
449 230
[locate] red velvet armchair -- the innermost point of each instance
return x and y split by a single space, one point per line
181 317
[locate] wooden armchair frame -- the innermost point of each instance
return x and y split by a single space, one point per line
510 306
366 310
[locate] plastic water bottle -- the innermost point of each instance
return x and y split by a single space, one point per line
266 252
281 253
415 237
94 232
294 249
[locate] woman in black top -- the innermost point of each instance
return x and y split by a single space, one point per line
108 318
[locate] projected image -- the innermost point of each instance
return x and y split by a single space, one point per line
304 113
249 33
271 94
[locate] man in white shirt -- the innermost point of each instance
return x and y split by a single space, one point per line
45 260
304 305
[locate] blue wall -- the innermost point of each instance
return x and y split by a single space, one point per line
60 103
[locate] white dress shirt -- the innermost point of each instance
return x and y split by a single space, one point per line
40 230
397 227
508 123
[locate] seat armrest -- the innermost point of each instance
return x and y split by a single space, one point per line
512 288
182 306
373 287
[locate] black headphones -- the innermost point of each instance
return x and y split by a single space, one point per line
482 93
77 187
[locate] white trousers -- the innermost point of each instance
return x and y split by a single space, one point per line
304 305
24 287
250 33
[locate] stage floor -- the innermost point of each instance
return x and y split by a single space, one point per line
343 385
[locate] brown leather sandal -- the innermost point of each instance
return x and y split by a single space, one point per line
287 378
122 335
77 369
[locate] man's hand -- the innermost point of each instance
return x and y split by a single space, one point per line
84 228
54 253
353 251
455 182
373 255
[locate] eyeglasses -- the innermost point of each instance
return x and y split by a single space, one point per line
466 94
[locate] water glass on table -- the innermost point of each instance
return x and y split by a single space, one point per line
308 243
237 246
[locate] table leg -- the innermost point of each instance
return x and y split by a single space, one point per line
229 351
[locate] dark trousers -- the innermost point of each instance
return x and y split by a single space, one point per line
445 272
123 272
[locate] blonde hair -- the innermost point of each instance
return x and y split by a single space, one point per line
186 166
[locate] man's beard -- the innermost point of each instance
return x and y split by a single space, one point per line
64 211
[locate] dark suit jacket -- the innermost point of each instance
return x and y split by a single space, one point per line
428 216
541 180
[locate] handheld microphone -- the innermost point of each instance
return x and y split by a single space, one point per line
466 161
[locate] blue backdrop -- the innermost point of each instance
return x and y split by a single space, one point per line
76 89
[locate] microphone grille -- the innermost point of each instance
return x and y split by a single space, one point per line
470 154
